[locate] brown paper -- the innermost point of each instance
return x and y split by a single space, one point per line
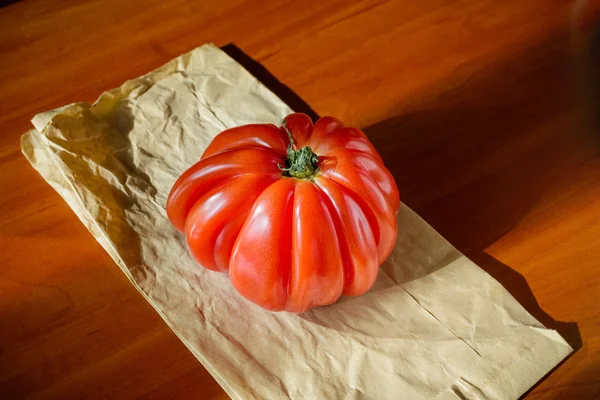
434 326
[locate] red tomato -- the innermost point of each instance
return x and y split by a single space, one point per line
297 215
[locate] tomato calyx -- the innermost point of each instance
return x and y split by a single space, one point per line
300 164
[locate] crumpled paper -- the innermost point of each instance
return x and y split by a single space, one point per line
434 326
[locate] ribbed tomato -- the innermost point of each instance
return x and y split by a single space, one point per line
298 215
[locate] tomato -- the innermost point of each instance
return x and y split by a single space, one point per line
297 215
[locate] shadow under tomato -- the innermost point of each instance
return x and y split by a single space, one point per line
476 158
434 153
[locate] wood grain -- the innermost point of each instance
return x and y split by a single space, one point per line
480 108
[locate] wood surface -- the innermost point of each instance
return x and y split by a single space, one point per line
482 110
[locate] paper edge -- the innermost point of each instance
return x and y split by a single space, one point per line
481 380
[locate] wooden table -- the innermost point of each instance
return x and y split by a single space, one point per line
475 105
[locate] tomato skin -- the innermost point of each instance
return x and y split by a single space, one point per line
209 172
288 243
266 136
261 261
215 221
357 239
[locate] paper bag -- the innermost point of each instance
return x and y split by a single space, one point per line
434 326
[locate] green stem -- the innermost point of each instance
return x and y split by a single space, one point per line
301 164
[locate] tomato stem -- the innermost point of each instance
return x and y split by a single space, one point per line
301 164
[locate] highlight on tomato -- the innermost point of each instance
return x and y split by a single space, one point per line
297 215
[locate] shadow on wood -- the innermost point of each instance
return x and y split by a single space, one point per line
267 79
4 3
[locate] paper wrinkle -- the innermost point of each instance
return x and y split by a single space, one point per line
497 376
431 319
